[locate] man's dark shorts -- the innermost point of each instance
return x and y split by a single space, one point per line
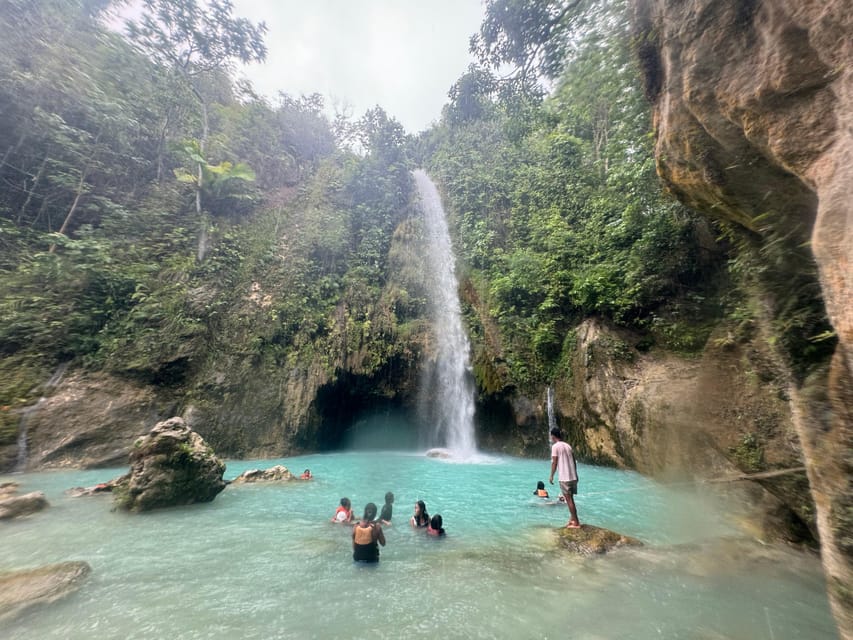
569 487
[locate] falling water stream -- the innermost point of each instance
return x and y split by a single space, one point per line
448 383
27 414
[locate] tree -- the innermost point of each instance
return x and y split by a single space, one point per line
194 40
533 36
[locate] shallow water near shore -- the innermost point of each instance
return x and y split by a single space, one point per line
263 561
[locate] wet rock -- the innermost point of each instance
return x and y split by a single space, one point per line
170 466
592 540
8 489
20 590
440 453
277 473
14 506
101 488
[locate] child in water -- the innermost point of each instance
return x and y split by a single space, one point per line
387 509
435 528
540 490
343 514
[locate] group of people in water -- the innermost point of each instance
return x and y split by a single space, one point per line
367 533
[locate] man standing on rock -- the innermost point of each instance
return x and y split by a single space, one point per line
563 460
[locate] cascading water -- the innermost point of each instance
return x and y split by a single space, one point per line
552 418
26 415
448 385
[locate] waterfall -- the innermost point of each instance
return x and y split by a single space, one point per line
448 385
552 419
27 413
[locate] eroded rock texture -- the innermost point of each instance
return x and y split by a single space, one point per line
170 466
753 103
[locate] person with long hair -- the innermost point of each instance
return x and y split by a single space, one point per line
367 535
420 519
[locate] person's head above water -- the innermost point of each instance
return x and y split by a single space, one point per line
345 503
369 512
540 485
389 498
435 524
421 516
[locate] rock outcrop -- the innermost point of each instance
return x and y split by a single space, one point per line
591 540
14 506
278 473
20 590
752 104
170 466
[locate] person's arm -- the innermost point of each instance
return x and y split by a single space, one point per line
380 535
553 469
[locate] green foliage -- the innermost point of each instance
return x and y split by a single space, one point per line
557 209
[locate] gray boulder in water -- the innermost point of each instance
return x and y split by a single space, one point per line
592 540
20 590
170 466
13 506
278 473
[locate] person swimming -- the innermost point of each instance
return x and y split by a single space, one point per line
420 519
343 514
540 490
365 536
387 509
435 528
306 475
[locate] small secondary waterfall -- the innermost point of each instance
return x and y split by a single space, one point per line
28 412
552 419
449 385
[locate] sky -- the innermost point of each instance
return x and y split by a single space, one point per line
403 55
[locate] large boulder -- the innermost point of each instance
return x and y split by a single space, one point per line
170 466
20 590
278 473
592 540
752 103
13 506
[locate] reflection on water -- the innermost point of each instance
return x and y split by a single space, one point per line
263 561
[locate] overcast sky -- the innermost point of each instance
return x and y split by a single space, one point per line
400 54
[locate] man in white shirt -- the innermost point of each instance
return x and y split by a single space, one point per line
563 460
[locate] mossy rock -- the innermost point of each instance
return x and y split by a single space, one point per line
592 540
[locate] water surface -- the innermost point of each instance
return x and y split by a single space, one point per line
264 562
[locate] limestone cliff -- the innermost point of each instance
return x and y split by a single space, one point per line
752 103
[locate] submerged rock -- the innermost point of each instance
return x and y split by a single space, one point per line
438 452
277 473
592 540
12 506
170 466
20 590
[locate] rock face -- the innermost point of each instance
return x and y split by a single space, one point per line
92 421
20 590
12 506
592 540
752 104
277 473
170 466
